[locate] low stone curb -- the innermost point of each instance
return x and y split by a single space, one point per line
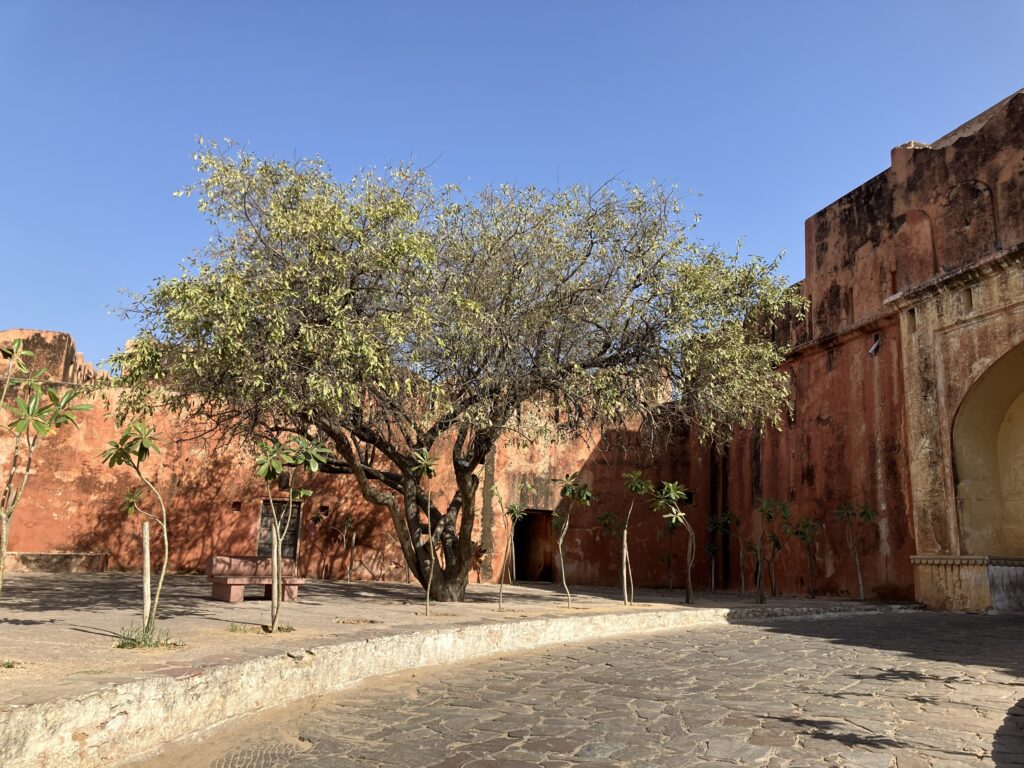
121 721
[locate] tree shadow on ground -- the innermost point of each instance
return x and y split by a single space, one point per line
987 641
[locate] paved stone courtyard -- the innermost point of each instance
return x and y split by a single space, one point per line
59 629
903 691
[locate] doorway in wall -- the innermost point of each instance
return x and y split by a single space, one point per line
534 546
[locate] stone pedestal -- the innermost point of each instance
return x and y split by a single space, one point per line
969 582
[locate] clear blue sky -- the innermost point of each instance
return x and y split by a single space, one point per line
771 110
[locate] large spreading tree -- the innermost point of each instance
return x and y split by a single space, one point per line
387 316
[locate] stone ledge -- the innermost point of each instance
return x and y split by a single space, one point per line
125 720
56 562
955 560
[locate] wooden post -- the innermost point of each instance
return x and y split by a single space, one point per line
147 581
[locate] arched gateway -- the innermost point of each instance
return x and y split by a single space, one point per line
988 476
988 461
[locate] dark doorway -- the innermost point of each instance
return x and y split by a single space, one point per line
289 534
534 545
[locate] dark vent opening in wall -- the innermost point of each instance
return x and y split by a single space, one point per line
876 342
968 300
912 320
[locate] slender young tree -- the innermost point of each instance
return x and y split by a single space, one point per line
394 316
276 460
767 543
666 500
856 521
805 530
510 517
574 492
638 488
132 449
37 411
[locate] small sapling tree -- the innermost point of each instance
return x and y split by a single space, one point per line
805 530
132 449
510 517
856 521
277 460
748 551
36 413
666 500
638 488
768 544
774 547
574 492
717 528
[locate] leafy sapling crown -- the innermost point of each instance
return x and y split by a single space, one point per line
667 498
637 484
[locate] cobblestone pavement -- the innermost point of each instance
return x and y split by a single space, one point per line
903 691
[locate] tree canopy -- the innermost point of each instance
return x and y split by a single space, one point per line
388 315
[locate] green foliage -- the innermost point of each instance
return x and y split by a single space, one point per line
385 312
133 447
772 509
666 500
36 412
637 484
716 527
610 522
140 637
43 410
804 529
515 512
849 512
576 492
423 463
274 458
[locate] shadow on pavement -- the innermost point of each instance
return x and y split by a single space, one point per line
967 640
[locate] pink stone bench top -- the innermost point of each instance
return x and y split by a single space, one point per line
246 567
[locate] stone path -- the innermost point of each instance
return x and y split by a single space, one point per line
57 631
898 691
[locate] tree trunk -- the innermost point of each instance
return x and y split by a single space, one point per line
860 576
275 574
810 569
626 576
671 539
504 570
632 591
151 623
147 575
561 558
448 590
431 558
691 554
759 595
5 532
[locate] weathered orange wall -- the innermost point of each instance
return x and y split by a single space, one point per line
915 282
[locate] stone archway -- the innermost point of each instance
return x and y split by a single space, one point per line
988 460
988 471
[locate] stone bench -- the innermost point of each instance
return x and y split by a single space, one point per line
231 575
